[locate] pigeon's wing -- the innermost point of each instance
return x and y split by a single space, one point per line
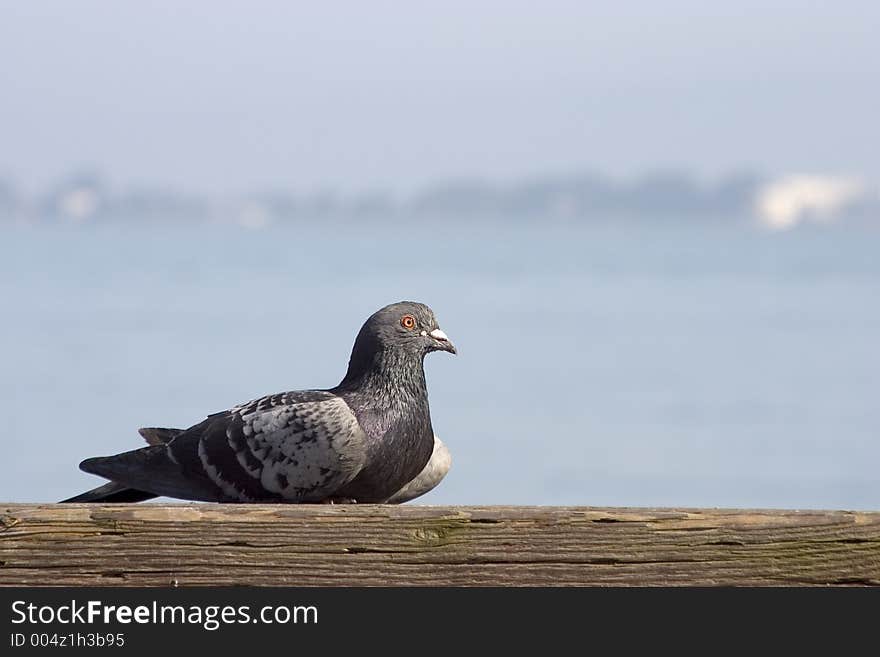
431 475
291 447
294 447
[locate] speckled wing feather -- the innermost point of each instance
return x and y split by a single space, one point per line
290 447
294 447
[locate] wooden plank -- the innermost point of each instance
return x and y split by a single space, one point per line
365 545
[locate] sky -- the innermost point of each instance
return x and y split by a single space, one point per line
218 96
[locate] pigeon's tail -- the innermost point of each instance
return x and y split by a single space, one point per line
114 492
154 469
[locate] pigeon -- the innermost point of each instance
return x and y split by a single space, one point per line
367 440
431 475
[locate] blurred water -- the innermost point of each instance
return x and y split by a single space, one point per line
649 365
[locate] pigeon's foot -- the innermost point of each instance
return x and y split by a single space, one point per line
339 500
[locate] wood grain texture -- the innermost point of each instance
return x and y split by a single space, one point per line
366 545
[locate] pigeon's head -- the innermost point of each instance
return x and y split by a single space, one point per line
408 326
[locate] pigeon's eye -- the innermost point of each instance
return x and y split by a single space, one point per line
408 322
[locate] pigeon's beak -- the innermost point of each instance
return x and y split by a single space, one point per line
443 342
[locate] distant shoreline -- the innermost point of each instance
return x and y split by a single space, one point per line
777 204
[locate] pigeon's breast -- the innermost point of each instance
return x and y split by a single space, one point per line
398 448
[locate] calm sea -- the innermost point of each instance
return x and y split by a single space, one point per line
664 364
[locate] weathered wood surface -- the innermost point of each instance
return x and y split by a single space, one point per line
209 544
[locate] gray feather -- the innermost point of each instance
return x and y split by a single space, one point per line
431 475
299 447
151 469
